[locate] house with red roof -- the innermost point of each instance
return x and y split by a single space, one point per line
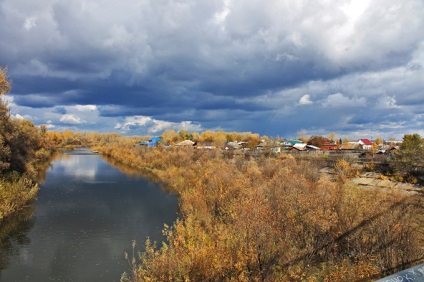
365 144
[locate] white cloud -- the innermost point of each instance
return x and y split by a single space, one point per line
339 100
86 108
305 100
151 126
18 116
30 23
71 119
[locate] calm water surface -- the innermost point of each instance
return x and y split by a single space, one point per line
87 214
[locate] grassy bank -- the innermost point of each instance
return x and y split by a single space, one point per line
271 219
14 194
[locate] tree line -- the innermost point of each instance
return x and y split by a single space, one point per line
24 147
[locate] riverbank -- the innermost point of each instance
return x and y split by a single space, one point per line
24 148
19 189
272 219
15 194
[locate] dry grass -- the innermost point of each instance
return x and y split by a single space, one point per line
272 219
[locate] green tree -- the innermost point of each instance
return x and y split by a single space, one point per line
409 161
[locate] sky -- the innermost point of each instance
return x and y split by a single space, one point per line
275 67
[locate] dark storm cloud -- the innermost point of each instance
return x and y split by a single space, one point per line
273 67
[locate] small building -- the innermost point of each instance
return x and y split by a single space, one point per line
261 145
323 143
186 143
153 142
365 144
312 148
205 145
299 147
231 146
288 144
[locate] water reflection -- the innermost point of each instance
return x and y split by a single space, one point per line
87 215
13 231
128 170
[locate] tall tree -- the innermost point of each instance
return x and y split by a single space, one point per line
410 160
302 136
332 136
19 139
169 136
4 81
5 151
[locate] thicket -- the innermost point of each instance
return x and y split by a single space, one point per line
409 161
271 219
23 148
68 140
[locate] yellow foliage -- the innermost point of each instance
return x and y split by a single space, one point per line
271 219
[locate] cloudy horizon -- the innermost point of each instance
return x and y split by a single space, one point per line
277 68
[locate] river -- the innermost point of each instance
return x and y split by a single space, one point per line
87 214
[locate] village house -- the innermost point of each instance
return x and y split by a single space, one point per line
205 145
365 144
186 143
272 146
288 144
322 142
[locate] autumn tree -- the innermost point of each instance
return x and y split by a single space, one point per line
220 139
196 136
22 146
318 141
303 136
169 136
207 136
19 139
253 141
332 137
4 81
379 141
230 137
185 135
4 120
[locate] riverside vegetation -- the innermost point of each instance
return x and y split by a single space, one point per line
24 149
262 219
271 219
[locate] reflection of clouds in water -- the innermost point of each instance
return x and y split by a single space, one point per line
80 166
87 214
26 257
